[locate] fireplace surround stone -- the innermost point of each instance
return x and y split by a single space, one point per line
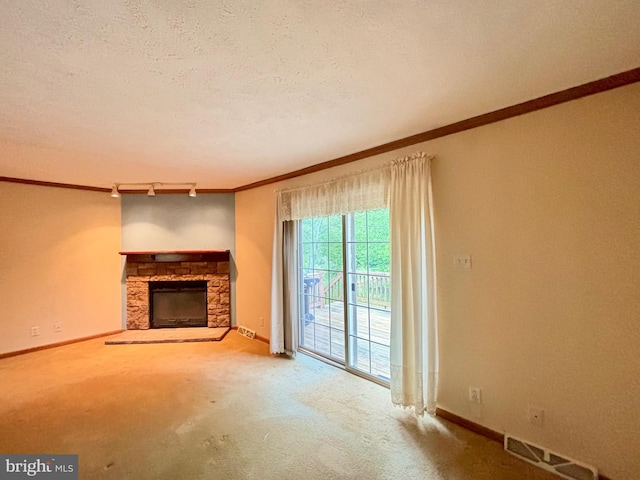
211 266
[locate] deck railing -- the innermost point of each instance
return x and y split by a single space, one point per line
372 286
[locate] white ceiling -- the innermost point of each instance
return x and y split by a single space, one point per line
225 93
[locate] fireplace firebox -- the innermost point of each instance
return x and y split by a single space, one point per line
181 303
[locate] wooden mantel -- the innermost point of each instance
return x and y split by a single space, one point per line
177 256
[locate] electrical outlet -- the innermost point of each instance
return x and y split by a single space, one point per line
462 261
475 395
262 321
35 331
57 327
536 416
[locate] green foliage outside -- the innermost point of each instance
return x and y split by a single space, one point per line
321 242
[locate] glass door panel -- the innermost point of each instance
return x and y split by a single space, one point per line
369 292
356 248
321 277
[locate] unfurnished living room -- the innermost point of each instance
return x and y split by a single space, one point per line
320 240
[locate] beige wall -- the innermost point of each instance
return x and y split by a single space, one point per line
255 212
60 263
548 205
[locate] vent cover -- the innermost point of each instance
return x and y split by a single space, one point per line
550 461
246 332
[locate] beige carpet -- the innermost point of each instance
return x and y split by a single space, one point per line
168 335
227 410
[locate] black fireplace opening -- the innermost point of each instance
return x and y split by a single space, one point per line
181 303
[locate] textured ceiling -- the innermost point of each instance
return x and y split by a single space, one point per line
226 93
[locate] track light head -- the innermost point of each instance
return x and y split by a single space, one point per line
115 190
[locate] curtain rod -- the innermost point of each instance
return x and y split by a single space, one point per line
387 164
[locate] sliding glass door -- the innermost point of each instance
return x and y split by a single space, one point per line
347 322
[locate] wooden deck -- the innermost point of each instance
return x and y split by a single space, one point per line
368 341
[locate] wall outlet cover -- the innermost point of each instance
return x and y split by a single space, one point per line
462 261
475 395
536 416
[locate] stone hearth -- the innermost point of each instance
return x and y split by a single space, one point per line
145 267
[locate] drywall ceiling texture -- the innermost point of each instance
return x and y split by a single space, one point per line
227 93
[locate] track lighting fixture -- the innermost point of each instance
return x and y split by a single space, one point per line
151 188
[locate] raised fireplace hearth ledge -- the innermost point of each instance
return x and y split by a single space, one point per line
211 266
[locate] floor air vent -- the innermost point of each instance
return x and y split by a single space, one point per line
246 332
550 461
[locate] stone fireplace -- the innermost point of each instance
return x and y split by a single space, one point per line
166 268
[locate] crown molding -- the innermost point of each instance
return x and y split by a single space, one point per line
602 85
40 183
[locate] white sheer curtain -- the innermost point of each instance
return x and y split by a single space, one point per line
404 186
364 190
414 324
